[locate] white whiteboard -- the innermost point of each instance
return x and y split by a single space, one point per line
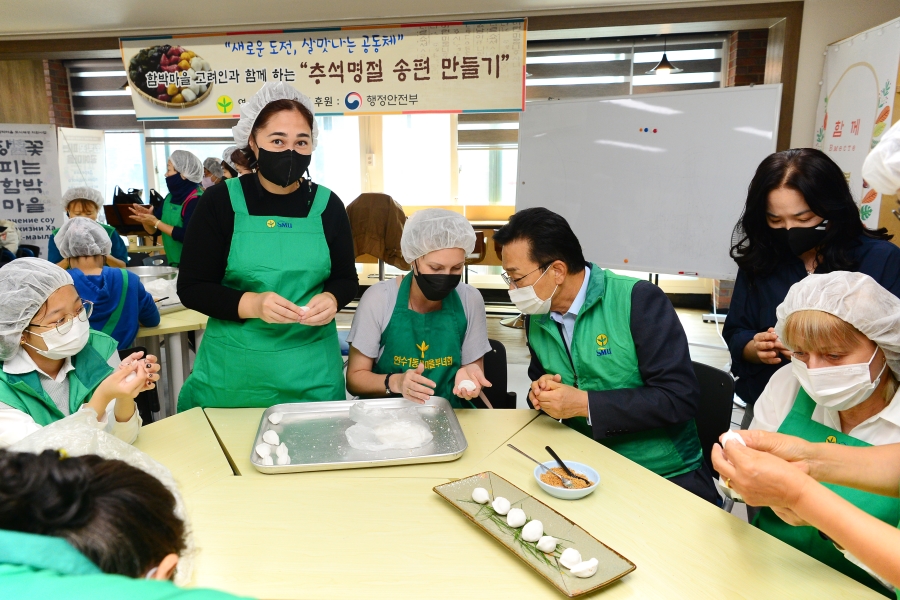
664 200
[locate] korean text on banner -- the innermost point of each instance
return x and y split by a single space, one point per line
29 181
471 66
82 158
855 105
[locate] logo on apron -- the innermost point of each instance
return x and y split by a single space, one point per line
423 347
270 223
602 341
831 440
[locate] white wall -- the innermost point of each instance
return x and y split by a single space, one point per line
824 22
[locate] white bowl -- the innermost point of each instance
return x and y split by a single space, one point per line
561 492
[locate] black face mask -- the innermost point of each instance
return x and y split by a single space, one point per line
436 287
801 239
282 168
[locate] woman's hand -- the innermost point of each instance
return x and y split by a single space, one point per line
131 378
789 516
471 372
144 215
766 348
320 310
412 385
761 478
270 307
796 451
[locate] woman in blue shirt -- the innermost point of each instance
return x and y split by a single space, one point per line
121 304
799 218
87 202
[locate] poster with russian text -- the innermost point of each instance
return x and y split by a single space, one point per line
29 182
471 66
855 104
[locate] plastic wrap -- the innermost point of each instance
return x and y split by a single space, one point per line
164 288
78 435
380 429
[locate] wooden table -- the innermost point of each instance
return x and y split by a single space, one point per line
382 532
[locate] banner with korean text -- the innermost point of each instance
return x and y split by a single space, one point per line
29 182
471 66
855 104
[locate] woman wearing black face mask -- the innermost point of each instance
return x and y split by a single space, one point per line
799 218
269 257
425 334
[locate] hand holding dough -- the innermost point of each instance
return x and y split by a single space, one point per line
467 385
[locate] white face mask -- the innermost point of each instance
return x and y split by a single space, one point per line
60 345
840 387
527 300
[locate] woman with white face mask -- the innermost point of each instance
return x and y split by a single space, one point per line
844 331
52 364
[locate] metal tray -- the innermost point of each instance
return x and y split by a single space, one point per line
314 434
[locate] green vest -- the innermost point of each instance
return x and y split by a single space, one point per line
38 566
171 215
603 358
25 393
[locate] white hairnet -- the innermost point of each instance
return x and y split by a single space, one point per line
269 92
81 236
226 156
214 166
9 239
83 193
435 229
852 297
25 284
882 167
188 165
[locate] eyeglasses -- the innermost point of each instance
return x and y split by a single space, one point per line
64 325
508 281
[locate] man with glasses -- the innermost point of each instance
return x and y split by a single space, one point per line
608 354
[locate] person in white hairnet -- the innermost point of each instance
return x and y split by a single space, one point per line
212 172
88 202
270 259
120 303
234 163
183 178
425 334
52 364
843 331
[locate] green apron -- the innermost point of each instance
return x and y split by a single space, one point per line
257 364
117 313
171 215
412 338
807 539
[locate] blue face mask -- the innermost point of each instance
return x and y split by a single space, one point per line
179 187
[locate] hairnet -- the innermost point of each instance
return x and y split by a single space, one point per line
226 156
81 236
882 167
435 229
25 284
214 166
269 92
83 193
10 240
188 165
852 297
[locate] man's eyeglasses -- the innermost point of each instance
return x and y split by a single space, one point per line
509 281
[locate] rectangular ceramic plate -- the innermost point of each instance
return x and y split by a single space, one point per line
314 435
612 564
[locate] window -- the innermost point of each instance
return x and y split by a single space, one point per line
335 162
487 176
162 152
417 158
124 163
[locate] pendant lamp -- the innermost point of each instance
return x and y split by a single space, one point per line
664 67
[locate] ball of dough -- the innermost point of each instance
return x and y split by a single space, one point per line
263 450
480 495
516 518
570 557
547 544
533 531
283 460
500 505
281 450
275 418
585 569
267 461
467 385
270 437
732 435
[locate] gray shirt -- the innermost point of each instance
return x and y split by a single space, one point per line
377 304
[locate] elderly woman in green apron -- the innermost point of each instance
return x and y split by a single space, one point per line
424 334
270 259
844 331
118 535
183 176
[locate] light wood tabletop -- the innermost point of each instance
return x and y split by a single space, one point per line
175 322
485 431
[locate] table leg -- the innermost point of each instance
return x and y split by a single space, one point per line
153 347
174 369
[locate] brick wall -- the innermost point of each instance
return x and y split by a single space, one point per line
57 85
747 57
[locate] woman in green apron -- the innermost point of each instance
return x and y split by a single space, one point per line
88 202
424 334
844 330
183 177
270 259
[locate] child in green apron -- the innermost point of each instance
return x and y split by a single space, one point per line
87 202
426 334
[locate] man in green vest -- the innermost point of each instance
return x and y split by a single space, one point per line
608 354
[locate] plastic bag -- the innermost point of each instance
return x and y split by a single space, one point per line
79 435
380 429
164 288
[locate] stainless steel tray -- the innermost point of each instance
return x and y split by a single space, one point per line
314 434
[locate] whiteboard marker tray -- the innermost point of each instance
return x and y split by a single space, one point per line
314 433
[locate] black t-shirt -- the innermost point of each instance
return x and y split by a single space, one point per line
207 243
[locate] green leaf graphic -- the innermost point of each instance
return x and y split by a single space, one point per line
865 212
